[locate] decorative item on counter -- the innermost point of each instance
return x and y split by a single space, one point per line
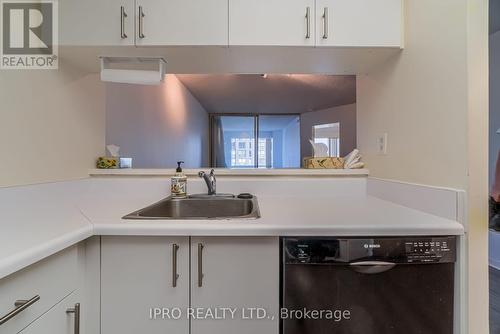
110 162
325 163
353 160
321 159
178 186
320 150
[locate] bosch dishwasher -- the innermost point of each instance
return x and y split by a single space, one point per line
388 285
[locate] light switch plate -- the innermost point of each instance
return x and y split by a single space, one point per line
382 144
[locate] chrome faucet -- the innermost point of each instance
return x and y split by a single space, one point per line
210 181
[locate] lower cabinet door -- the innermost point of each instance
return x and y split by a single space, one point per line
51 280
58 320
144 284
235 285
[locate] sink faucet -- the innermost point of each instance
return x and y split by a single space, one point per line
210 181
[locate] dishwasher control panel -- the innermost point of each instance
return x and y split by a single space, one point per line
410 250
428 250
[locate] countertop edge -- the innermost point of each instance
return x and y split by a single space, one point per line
21 260
37 253
233 172
273 231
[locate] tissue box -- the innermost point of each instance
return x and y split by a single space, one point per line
108 162
324 162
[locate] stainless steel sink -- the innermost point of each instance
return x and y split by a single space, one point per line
200 207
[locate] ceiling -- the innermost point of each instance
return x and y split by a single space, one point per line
274 94
494 16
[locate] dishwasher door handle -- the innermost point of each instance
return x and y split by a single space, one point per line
371 267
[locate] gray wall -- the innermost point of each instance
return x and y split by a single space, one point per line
494 102
345 115
291 144
157 125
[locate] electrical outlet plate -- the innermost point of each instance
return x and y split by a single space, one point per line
382 143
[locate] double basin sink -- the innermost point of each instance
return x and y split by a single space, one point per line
201 207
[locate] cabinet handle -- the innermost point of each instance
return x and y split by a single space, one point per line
141 20
325 23
308 22
123 15
76 311
200 265
20 305
175 276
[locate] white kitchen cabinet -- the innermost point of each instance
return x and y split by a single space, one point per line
271 22
369 23
45 283
181 22
96 22
137 275
58 320
345 23
235 272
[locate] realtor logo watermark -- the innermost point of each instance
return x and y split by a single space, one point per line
29 36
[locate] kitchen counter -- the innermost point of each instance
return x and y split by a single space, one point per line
232 172
288 216
38 221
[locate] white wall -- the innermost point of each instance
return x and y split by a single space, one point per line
51 124
346 115
157 125
431 99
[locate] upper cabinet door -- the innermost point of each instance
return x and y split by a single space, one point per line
96 22
370 23
181 22
271 22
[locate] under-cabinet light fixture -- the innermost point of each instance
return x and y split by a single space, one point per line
153 75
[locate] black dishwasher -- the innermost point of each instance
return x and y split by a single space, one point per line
388 285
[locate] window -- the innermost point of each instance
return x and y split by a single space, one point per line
255 141
328 134
265 153
241 152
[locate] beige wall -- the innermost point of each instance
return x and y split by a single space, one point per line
51 125
432 101
477 187
420 99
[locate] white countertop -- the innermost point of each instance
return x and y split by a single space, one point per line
231 172
287 216
38 221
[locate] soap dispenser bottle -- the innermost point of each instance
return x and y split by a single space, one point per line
178 187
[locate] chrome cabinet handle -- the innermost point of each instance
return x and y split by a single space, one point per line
325 23
141 20
123 15
371 267
308 22
200 265
76 311
20 305
175 276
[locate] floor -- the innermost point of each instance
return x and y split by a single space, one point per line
494 301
